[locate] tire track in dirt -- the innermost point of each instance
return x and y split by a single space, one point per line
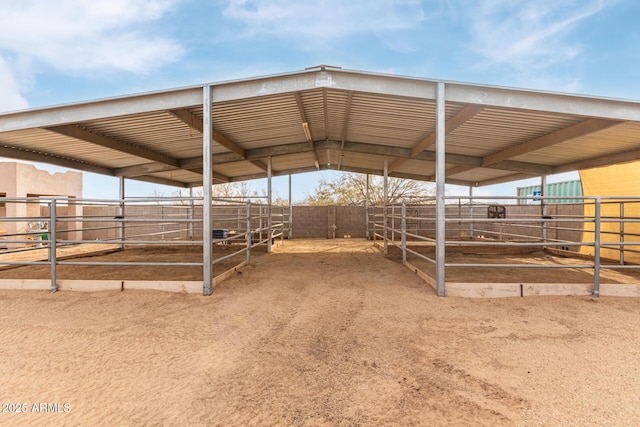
303 347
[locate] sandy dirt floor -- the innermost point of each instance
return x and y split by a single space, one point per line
318 333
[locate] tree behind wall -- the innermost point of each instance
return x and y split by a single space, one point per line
351 189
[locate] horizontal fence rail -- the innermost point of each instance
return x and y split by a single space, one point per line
36 230
604 232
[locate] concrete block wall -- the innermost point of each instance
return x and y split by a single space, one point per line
310 222
350 220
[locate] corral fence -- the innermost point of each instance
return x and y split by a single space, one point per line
602 233
34 230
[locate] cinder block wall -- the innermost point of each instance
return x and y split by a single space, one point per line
317 221
350 220
310 222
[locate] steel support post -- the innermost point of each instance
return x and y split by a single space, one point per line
543 206
52 243
385 190
596 250
260 213
290 236
207 199
393 223
366 210
249 237
404 233
621 233
471 212
121 212
191 212
269 219
440 191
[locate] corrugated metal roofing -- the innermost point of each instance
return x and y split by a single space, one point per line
328 118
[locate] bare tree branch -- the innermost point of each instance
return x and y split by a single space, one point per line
351 189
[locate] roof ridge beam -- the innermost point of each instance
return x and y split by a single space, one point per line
92 137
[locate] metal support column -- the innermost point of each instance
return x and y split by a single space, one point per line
207 199
621 233
121 213
366 210
290 236
440 194
52 244
192 206
249 236
386 201
596 250
269 219
471 225
543 206
404 232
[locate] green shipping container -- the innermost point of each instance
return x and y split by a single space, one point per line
557 189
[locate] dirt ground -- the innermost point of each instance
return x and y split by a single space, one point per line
318 333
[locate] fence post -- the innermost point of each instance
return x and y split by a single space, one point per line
52 244
404 233
393 224
121 208
260 224
249 230
621 233
385 207
596 251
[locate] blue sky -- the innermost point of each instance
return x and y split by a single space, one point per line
74 50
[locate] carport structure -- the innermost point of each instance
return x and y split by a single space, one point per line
328 118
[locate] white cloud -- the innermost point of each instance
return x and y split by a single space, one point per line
525 34
81 35
317 22
10 98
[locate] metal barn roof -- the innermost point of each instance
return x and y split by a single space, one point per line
329 118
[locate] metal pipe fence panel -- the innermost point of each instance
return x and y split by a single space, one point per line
36 224
584 227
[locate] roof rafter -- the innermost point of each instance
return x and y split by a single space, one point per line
306 129
162 181
195 123
574 131
87 135
622 157
345 127
466 113
52 159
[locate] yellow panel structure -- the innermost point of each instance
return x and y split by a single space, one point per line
617 180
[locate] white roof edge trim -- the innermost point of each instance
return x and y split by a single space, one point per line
519 99
91 110
336 78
